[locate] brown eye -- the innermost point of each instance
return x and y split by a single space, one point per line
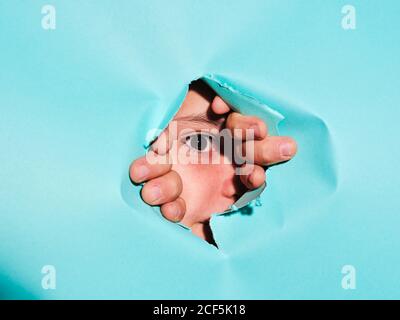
200 142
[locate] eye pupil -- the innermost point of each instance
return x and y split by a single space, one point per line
198 141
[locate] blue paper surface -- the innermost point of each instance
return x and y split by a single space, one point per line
77 102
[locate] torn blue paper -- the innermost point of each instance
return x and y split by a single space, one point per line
77 102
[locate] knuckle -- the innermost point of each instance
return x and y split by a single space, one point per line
232 119
265 154
171 184
263 128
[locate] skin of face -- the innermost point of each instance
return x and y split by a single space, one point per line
207 187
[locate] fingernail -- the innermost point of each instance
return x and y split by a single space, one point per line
178 214
155 194
142 172
250 179
286 150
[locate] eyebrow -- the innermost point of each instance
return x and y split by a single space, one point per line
200 118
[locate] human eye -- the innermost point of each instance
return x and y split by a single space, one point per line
199 141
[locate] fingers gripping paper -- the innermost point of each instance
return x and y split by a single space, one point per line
78 97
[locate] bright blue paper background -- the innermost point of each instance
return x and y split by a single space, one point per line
76 104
